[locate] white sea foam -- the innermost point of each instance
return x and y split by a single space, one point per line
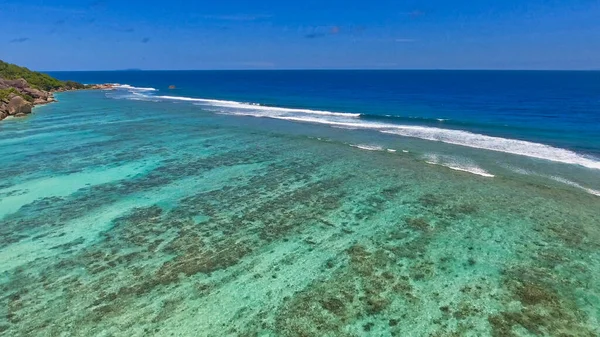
367 147
468 139
132 88
513 146
348 120
574 184
555 178
457 164
462 138
474 170
391 150
256 108
344 127
520 170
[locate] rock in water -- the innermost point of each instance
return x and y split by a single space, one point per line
18 105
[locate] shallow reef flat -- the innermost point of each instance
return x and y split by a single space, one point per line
126 224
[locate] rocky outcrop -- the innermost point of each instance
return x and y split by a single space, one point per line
107 86
17 98
18 105
21 89
38 94
17 84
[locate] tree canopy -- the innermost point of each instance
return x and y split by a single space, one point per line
35 79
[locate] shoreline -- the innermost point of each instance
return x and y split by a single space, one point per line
20 98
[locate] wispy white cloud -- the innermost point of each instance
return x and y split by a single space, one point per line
404 40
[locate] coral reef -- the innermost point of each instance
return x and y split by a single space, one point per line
236 231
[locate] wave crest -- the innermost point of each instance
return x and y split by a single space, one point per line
367 147
358 121
251 109
132 88
457 165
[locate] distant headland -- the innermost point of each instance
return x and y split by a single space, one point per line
21 89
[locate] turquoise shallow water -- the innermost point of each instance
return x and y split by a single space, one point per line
136 218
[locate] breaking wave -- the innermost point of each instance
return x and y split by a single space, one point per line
576 185
555 178
132 88
367 147
359 121
457 165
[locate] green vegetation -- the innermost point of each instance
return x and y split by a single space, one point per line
74 85
35 79
4 93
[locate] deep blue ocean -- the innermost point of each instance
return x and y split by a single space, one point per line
559 108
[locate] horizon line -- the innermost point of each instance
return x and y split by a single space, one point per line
331 69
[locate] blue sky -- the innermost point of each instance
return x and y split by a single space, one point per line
308 34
